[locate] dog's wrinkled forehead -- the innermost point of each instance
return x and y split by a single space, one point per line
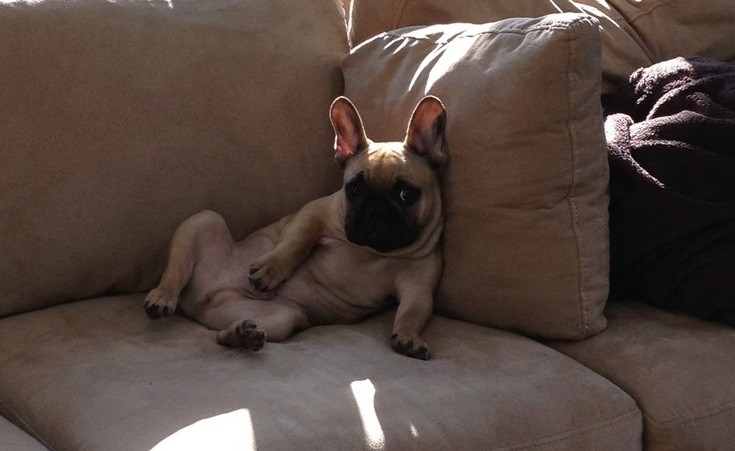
385 162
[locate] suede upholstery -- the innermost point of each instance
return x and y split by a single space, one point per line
621 53
12 438
138 114
635 33
678 368
131 383
666 29
525 237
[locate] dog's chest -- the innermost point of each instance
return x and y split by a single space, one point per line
339 282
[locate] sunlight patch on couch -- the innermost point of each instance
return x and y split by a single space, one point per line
364 393
228 431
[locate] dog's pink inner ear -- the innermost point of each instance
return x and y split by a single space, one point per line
349 134
425 134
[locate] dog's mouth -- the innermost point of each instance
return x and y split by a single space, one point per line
381 230
379 243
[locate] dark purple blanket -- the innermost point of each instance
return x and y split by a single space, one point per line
671 144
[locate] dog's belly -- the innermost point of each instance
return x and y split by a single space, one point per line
340 283
222 269
337 283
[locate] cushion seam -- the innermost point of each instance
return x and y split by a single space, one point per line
640 14
518 31
10 415
676 422
583 302
400 14
556 438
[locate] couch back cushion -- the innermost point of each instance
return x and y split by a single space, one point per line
621 49
526 239
667 29
634 33
120 119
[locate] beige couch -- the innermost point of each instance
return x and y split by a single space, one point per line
120 119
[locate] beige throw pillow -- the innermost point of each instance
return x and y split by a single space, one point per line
526 239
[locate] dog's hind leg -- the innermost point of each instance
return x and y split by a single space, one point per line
199 230
247 323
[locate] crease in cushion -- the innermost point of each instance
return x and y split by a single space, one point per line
121 119
526 239
671 28
13 438
99 374
621 53
679 369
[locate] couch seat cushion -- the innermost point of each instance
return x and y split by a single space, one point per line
99 374
14 439
680 371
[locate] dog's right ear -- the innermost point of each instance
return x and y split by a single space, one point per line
349 134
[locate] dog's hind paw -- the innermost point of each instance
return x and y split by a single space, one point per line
411 346
159 303
249 336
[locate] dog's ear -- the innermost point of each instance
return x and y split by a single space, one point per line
425 133
349 134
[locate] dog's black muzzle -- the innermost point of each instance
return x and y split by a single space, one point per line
380 225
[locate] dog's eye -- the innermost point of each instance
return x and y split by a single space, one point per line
353 190
408 195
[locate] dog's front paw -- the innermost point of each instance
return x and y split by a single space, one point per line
410 345
267 272
159 303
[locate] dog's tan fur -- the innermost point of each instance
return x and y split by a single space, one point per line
302 270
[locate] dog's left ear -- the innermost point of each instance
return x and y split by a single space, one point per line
425 133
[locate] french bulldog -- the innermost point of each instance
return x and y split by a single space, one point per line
337 260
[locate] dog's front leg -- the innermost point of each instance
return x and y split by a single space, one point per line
294 237
414 310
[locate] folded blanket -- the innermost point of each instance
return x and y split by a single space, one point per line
671 145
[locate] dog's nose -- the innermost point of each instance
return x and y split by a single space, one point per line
375 214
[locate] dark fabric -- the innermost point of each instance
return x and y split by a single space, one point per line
671 145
